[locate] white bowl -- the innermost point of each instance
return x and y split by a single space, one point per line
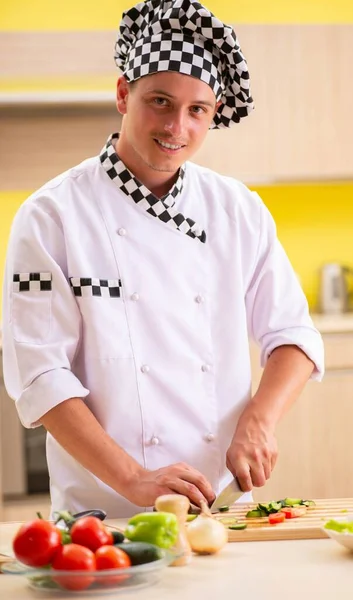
345 538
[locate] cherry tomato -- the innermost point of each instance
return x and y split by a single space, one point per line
90 532
109 557
278 517
36 542
73 557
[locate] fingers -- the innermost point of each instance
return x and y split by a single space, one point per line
252 468
183 479
244 477
179 486
200 482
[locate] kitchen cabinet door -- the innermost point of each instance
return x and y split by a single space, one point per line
315 443
315 436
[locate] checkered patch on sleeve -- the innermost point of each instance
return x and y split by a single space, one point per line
90 286
32 282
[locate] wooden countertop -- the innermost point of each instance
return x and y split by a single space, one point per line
295 570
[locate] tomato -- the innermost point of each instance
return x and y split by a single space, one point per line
90 532
73 557
36 542
293 513
109 557
278 517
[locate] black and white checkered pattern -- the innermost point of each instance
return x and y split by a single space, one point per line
185 37
87 287
32 282
160 208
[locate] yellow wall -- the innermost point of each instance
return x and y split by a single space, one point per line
314 221
38 15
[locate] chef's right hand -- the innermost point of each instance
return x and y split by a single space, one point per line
180 478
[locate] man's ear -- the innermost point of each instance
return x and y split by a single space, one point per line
217 106
122 93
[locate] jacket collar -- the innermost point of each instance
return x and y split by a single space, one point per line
161 208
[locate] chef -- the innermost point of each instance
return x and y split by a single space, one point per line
135 280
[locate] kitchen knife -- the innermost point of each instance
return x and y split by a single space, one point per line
228 496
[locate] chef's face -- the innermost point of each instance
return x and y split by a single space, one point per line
166 118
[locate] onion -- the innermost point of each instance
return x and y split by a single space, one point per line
206 535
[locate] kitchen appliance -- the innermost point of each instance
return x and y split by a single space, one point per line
334 288
309 526
228 496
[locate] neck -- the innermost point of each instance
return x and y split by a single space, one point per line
158 182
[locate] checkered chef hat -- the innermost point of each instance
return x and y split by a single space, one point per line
183 36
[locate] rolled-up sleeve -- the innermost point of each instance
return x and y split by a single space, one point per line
41 320
277 308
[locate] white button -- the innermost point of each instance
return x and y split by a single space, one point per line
145 369
155 441
135 297
199 299
205 368
122 231
210 437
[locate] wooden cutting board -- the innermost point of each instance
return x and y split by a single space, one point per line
306 527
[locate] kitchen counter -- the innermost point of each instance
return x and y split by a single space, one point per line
300 569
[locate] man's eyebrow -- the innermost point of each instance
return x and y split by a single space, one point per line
164 93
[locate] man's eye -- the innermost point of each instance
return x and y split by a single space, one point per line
160 101
198 110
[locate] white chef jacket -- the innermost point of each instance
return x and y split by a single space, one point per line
144 309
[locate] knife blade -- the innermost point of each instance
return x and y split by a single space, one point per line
228 496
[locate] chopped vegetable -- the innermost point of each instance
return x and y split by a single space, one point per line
159 528
340 526
291 512
223 508
256 514
228 520
276 518
292 501
237 526
264 510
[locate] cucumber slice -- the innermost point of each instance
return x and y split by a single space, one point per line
264 507
238 526
292 501
255 514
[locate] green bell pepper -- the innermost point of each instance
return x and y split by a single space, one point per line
159 528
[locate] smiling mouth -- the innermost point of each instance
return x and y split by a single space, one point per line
168 145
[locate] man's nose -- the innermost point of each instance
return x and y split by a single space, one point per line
175 124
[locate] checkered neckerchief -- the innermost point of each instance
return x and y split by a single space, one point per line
162 208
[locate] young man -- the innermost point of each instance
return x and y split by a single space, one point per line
135 279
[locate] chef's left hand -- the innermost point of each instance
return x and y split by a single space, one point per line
252 454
